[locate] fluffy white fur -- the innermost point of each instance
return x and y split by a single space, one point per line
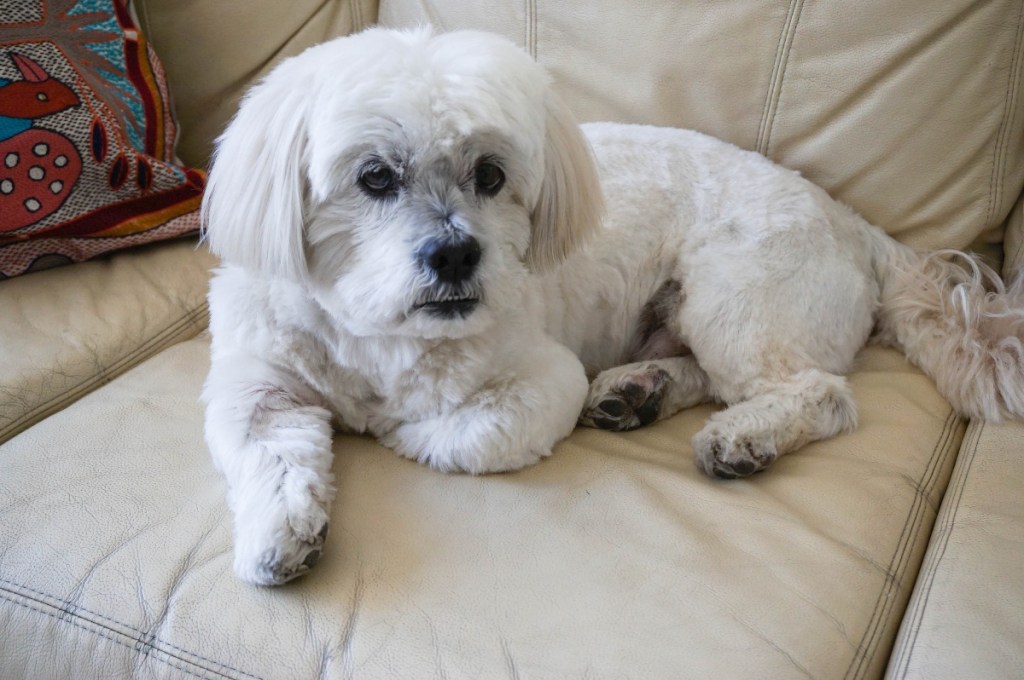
711 275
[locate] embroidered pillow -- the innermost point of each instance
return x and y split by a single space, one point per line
87 137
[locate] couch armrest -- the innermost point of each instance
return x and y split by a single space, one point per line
68 330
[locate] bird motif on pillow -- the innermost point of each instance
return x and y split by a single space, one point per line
38 167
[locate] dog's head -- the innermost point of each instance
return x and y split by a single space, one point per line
409 179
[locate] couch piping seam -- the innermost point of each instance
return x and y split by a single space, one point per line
874 628
68 608
774 93
1003 133
137 643
169 335
872 633
530 39
903 659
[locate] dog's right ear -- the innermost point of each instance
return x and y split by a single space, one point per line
253 207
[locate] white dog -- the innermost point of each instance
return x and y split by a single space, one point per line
414 247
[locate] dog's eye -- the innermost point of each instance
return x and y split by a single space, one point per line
378 180
489 178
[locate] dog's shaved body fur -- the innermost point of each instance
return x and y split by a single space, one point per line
420 244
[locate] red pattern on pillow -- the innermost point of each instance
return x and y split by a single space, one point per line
87 137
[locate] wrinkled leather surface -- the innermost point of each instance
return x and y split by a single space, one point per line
614 558
965 619
66 331
910 112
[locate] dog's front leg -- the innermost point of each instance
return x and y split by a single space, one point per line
512 421
271 438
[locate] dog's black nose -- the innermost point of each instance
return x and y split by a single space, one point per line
452 261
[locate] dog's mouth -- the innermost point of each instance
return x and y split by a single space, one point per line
453 306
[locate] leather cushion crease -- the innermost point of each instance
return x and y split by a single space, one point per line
615 557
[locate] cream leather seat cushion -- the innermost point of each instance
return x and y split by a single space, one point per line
613 558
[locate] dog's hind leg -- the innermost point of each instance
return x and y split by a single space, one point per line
632 395
779 417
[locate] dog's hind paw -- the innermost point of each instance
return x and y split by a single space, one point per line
622 399
729 458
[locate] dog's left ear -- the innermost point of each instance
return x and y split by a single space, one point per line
570 205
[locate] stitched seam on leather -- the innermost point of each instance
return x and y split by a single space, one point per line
999 155
918 528
902 663
100 634
771 102
530 39
873 632
872 635
172 334
136 644
70 609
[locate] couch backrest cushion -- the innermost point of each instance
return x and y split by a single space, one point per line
912 112
213 51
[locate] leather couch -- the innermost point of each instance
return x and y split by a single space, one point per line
895 550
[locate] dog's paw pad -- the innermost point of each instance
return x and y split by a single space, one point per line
285 562
311 559
725 458
626 402
616 408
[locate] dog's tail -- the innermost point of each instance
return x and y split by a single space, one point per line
953 317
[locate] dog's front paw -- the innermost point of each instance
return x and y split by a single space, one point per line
622 400
274 565
280 537
726 456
